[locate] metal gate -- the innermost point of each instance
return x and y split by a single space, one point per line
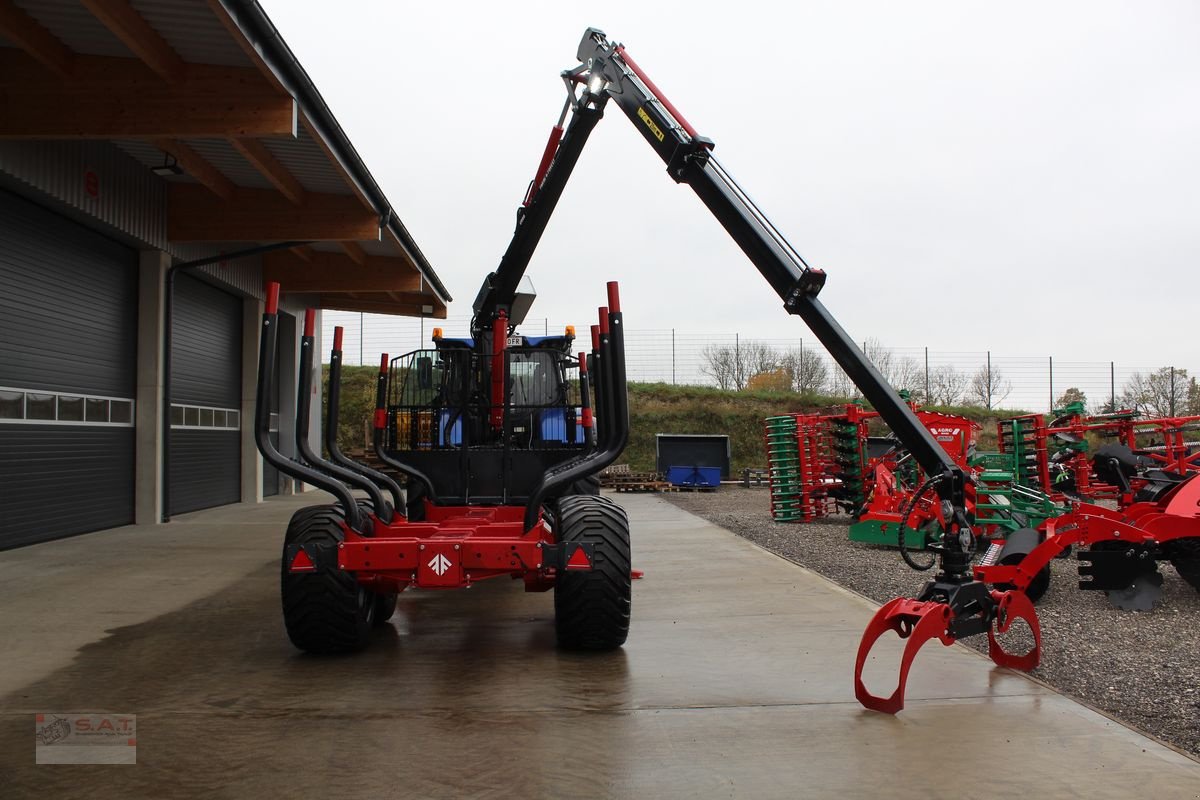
206 379
68 363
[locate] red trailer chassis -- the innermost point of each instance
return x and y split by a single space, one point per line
453 548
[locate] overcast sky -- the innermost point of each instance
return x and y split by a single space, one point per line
1021 177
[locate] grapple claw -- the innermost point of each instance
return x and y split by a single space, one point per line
914 620
1011 606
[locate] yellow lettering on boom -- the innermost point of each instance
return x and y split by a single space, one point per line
657 131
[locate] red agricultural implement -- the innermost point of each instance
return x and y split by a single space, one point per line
1142 457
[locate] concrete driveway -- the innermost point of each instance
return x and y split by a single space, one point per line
736 682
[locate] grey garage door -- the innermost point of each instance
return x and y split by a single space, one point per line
206 391
68 322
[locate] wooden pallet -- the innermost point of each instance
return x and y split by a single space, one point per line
643 486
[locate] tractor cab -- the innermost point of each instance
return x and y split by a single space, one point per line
484 417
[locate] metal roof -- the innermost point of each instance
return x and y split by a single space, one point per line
75 26
193 32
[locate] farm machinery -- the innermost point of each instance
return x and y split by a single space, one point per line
1142 459
498 447
498 473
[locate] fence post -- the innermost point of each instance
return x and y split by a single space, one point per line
1112 385
672 356
737 362
989 380
1172 392
1051 383
927 400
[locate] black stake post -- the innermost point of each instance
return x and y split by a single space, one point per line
304 448
262 420
168 329
332 416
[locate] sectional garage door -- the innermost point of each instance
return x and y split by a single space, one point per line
206 391
68 322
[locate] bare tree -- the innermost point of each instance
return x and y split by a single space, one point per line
901 372
719 363
807 370
989 387
947 386
1162 393
840 384
732 366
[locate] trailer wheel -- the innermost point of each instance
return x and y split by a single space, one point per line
329 611
589 485
1185 557
592 608
385 607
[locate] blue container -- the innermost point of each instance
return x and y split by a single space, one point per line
703 477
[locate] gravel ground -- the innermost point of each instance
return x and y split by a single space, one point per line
1142 668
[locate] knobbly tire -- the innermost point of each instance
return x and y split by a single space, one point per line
330 611
591 608
1185 557
385 607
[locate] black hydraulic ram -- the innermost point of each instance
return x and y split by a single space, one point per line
332 416
304 418
609 375
262 419
558 161
689 160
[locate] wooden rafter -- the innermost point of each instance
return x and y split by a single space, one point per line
355 251
141 39
113 98
195 165
303 251
405 304
250 215
271 168
335 272
26 33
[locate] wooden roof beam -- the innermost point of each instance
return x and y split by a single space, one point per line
335 272
28 34
407 304
355 251
253 215
194 164
142 40
120 98
271 168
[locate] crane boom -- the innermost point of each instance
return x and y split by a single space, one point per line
607 72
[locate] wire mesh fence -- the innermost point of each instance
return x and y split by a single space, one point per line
738 361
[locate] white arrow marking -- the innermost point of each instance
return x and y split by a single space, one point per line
439 564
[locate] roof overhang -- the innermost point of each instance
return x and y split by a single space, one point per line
209 96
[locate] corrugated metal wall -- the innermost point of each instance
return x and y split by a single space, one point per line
97 182
95 179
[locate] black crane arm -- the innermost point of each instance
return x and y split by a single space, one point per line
689 160
499 288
